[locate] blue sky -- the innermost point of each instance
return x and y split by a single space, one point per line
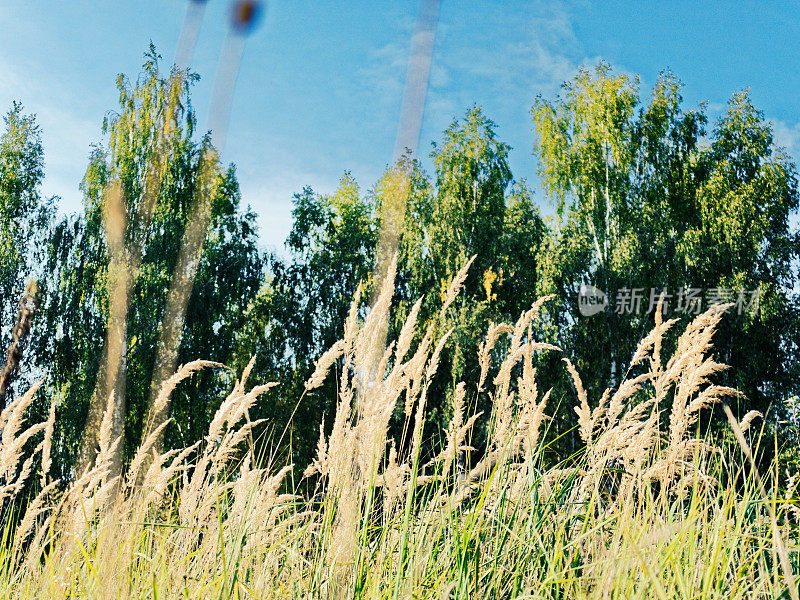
321 82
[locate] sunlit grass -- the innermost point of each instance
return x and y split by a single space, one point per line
639 513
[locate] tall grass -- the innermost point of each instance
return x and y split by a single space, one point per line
640 513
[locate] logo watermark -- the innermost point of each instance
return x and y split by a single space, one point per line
591 300
686 300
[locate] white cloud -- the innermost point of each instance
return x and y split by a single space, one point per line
272 201
533 53
716 108
272 198
510 60
385 71
67 130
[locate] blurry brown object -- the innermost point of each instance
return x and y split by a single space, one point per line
27 308
244 14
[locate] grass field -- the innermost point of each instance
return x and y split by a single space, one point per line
644 511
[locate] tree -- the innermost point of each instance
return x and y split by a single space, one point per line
472 210
741 239
25 217
476 210
301 310
643 204
139 194
472 175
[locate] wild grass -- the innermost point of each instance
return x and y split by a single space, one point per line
643 512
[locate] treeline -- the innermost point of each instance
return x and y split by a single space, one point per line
647 198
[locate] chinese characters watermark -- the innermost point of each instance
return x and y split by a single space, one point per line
685 300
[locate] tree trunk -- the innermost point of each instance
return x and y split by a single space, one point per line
27 308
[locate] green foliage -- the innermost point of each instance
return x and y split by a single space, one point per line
228 277
644 197
473 211
25 216
472 175
642 202
301 309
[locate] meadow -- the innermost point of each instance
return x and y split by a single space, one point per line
643 511
416 398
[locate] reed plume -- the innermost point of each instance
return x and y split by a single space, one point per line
641 505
